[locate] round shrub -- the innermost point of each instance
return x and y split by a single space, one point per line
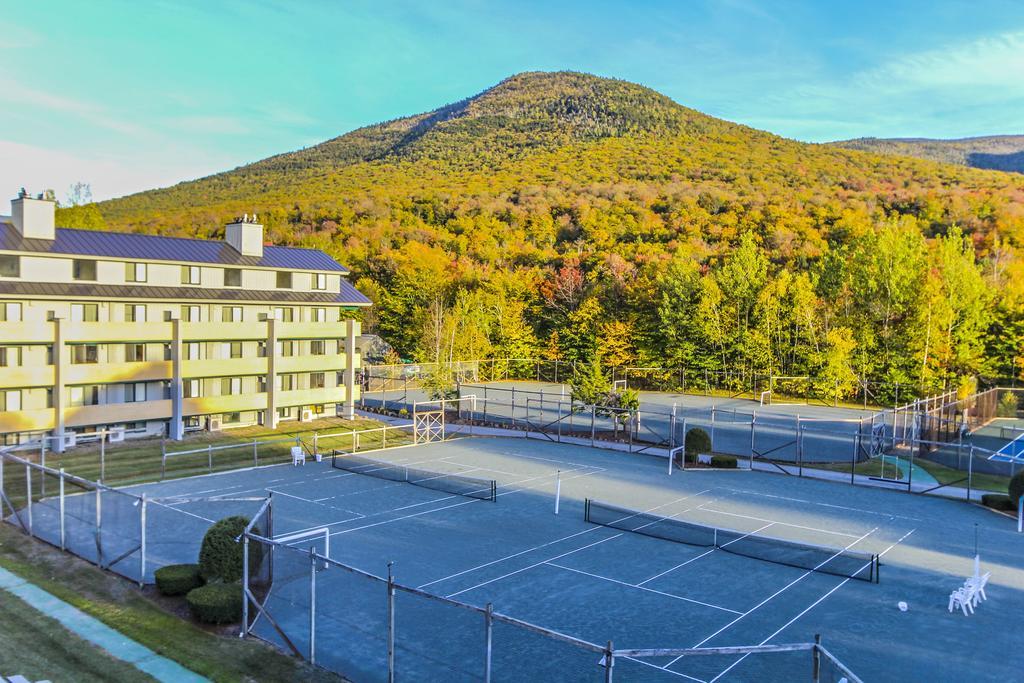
220 556
1007 406
177 579
723 461
697 441
216 603
1016 488
998 501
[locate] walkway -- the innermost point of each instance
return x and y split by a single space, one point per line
96 632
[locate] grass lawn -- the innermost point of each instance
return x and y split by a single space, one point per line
139 461
144 616
949 475
872 467
39 648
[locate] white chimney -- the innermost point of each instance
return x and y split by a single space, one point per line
245 235
33 218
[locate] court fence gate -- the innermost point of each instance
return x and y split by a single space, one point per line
373 628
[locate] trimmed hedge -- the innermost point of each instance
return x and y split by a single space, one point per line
177 579
697 441
998 501
1016 488
724 461
220 557
217 603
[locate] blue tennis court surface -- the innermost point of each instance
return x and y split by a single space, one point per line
598 583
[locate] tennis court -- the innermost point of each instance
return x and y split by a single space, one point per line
605 581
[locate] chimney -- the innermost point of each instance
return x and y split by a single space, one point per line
245 235
33 218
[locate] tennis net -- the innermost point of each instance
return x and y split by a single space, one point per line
836 561
471 487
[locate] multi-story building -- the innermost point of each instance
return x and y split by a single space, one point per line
144 334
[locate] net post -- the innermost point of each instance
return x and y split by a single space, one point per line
558 489
142 541
609 662
488 640
816 670
391 624
28 491
61 508
312 605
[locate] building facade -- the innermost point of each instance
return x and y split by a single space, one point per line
143 334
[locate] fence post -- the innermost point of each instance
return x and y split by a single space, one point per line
609 662
163 457
853 463
488 640
142 541
753 430
593 424
103 457
514 407
61 508
816 672
99 526
255 453
391 625
209 457
712 429
799 452
312 606
970 471
245 585
28 491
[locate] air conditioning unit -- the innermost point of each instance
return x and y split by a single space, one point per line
307 415
116 434
214 424
69 439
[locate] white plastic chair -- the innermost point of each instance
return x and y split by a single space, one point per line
959 599
976 586
298 455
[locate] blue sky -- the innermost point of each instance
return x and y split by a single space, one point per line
132 95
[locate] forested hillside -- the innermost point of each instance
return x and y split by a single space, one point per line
995 152
570 216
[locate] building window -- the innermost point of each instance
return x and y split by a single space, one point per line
134 272
190 388
284 279
232 418
319 281
10 312
232 277
287 348
318 409
190 314
10 356
10 265
82 269
82 354
134 353
319 315
135 392
85 313
230 386
286 382
231 314
234 349
167 352
190 275
261 384
284 413
191 350
135 313
317 347
88 395
285 314
316 380
12 399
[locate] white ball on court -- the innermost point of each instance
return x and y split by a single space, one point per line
902 605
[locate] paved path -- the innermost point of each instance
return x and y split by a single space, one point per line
96 632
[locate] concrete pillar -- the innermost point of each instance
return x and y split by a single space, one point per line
351 332
60 363
176 426
270 417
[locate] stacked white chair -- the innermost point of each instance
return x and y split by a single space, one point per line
968 596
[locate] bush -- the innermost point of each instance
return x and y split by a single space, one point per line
724 461
998 501
220 556
177 579
217 603
1016 488
1007 406
697 441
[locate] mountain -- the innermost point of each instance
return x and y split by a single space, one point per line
994 152
570 215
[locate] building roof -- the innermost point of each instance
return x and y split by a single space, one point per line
127 245
348 296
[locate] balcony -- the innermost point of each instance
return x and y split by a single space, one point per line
26 376
27 420
205 405
110 413
327 363
310 330
223 367
303 397
108 332
103 373
211 331
19 333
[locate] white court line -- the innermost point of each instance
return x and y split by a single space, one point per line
827 505
639 587
538 547
537 564
793 526
668 671
489 469
809 608
184 512
313 502
694 559
772 596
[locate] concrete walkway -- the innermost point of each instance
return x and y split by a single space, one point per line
96 632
